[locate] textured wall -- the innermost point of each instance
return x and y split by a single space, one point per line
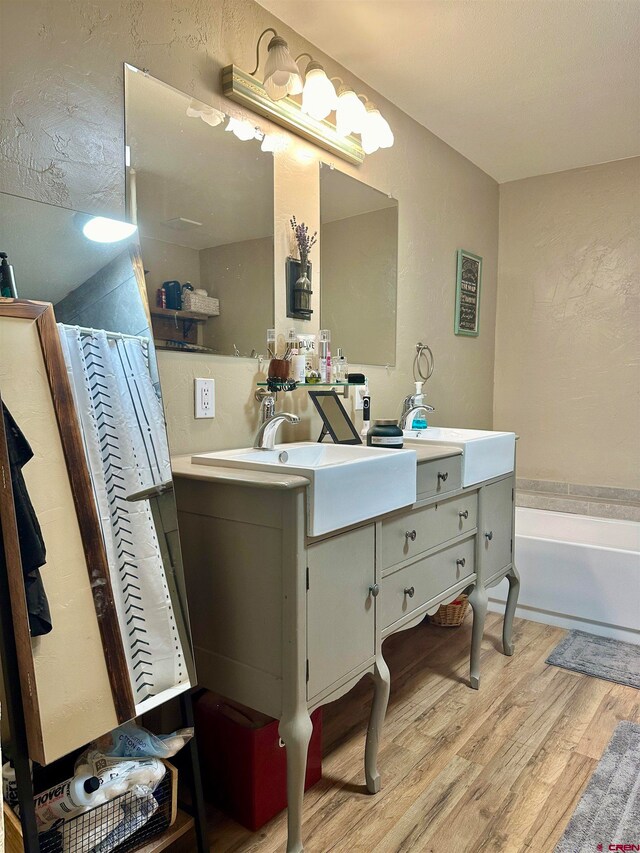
62 141
568 341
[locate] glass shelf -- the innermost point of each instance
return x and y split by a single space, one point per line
341 388
310 384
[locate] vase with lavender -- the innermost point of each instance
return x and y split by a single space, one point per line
302 290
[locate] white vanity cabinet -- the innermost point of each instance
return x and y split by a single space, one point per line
285 623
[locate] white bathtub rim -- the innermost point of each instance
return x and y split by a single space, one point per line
570 537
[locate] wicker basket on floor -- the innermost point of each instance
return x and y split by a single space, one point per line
451 615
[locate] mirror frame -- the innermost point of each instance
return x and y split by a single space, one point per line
88 522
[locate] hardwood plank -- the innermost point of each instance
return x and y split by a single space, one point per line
619 703
563 798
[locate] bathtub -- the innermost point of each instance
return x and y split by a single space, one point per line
577 572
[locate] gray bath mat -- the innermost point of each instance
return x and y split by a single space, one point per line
599 657
609 810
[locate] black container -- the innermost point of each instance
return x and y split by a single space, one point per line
173 289
385 433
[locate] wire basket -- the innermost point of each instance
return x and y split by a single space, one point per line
451 615
121 825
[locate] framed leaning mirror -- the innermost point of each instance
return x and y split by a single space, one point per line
80 388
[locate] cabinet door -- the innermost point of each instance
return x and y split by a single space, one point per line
495 533
340 607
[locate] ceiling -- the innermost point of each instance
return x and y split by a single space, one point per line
187 169
519 87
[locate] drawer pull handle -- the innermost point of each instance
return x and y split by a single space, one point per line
411 534
443 476
489 535
410 591
374 590
461 562
464 513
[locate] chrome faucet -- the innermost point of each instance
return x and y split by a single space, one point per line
404 417
267 406
266 435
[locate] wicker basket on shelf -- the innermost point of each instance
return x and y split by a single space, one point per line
451 615
198 304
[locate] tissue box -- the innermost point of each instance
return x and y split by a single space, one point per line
244 763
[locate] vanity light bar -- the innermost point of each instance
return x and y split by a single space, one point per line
244 89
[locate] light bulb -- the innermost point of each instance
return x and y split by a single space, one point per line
376 132
350 113
101 229
281 74
318 96
241 128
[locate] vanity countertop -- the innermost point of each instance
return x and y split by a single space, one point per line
182 466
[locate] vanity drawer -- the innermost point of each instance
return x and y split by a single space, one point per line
439 476
413 532
413 586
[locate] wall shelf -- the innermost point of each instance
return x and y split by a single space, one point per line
342 388
178 314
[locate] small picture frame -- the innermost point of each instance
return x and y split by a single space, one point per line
469 280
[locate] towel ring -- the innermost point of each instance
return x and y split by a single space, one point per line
422 352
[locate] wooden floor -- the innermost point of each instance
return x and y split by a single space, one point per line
499 769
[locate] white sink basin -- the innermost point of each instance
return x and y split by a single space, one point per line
349 483
485 454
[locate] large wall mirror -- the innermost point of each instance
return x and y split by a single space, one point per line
359 267
203 201
103 352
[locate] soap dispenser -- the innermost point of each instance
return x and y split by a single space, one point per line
419 419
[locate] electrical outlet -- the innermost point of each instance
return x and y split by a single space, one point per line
205 398
360 393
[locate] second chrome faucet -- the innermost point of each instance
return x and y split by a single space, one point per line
266 435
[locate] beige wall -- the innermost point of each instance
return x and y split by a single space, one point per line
567 373
358 288
240 275
62 142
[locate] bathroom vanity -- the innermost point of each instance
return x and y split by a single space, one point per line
284 622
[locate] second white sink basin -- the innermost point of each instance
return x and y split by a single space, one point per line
485 453
349 483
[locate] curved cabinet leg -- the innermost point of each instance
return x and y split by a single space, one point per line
296 733
478 599
512 601
382 687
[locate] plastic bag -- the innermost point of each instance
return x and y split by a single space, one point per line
132 741
140 776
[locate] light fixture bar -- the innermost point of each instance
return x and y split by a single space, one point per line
248 91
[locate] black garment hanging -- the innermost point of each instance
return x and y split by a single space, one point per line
32 548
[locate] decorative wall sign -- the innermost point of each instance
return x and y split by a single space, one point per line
467 318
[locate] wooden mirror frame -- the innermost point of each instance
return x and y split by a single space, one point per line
93 546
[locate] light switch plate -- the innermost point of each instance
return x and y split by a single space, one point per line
204 398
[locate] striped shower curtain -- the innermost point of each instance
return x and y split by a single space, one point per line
126 445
